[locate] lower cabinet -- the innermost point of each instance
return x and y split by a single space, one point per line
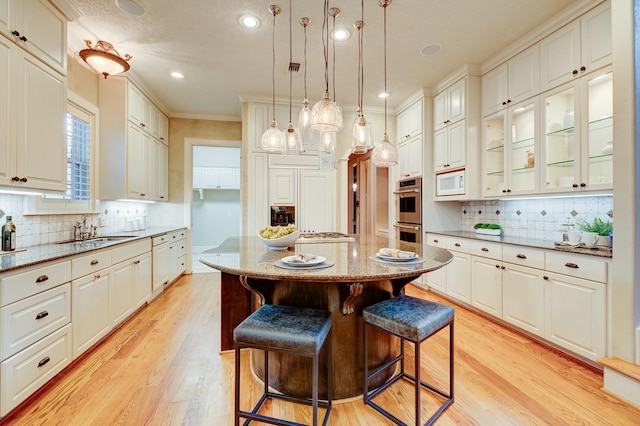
90 310
523 298
168 258
486 292
130 287
141 272
459 277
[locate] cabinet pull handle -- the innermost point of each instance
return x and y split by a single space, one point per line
484 249
24 179
41 279
142 195
521 256
136 262
571 265
457 244
15 178
546 278
42 315
94 262
43 361
15 33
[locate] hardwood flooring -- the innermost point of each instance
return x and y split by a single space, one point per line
163 367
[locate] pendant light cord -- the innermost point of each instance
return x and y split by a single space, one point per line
333 65
360 58
305 60
290 58
273 66
385 70
325 43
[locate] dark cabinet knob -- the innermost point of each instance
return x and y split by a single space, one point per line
24 179
582 185
497 266
574 72
503 267
508 101
15 179
575 185
583 68
508 190
15 33
504 102
504 191
546 278
23 38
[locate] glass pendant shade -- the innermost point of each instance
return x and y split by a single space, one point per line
326 115
304 121
362 140
327 150
292 140
385 154
272 139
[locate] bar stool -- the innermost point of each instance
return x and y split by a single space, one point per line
414 320
301 331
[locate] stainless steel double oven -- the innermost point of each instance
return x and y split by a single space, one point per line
409 210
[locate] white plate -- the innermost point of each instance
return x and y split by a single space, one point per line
396 259
314 260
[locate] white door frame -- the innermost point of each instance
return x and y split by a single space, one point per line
189 143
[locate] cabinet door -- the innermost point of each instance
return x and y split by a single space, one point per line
440 149
402 126
163 128
522 120
437 279
415 156
440 110
90 310
495 179
486 285
121 292
457 145
162 172
161 266
226 178
523 298
414 119
403 159
576 315
560 56
456 107
524 75
146 112
7 80
596 37
494 90
259 120
134 104
282 186
459 277
42 147
141 280
136 170
45 30
316 208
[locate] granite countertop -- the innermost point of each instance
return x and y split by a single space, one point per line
248 256
530 242
54 251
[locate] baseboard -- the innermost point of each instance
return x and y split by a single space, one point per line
622 379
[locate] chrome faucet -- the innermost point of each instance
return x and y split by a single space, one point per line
84 231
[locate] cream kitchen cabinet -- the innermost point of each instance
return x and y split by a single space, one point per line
459 270
37 27
216 178
512 82
162 263
577 152
580 47
486 277
90 311
282 186
177 249
410 157
32 122
141 273
316 205
130 287
409 121
449 147
510 144
437 279
133 160
449 105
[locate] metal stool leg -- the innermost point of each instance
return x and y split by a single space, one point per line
237 387
417 381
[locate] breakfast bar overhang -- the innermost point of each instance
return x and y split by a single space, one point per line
356 278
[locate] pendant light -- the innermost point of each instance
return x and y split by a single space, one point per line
361 131
327 150
273 139
292 139
304 118
326 115
385 154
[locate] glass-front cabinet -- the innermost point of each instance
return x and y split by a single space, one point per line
578 133
510 151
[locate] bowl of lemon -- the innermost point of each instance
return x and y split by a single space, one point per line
279 237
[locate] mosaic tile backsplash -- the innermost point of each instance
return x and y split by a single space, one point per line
536 218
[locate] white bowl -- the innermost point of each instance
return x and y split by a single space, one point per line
281 243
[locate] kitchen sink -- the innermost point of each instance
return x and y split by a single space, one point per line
102 239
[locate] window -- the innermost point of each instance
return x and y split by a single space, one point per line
81 129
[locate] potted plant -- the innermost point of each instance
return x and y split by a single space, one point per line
487 228
604 229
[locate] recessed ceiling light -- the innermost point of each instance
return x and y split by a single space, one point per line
383 95
340 34
249 21
177 74
430 49
131 7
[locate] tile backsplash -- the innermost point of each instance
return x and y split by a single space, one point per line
34 230
535 218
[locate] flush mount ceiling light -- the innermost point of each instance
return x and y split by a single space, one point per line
249 21
131 7
105 59
385 154
340 34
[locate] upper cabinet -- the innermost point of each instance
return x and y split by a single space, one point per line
409 121
216 177
577 48
134 160
512 82
410 140
37 27
449 105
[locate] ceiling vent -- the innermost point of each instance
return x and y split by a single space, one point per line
294 67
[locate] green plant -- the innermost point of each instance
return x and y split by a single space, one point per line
486 226
598 225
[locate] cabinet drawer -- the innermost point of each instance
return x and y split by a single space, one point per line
577 266
458 244
28 320
28 370
90 263
177 235
177 249
486 249
160 239
130 250
437 240
19 286
525 257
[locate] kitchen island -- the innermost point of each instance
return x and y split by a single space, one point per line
355 279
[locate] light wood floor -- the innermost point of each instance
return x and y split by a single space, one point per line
163 367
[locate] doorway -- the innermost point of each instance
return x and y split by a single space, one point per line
368 211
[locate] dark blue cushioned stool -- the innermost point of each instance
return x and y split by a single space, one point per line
414 320
276 328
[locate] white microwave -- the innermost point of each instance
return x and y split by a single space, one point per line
450 183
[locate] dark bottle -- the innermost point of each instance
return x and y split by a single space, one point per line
8 235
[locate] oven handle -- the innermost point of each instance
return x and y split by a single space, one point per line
407 191
414 227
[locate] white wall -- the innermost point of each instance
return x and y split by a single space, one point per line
215 217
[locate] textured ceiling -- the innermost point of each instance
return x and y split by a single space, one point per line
223 62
